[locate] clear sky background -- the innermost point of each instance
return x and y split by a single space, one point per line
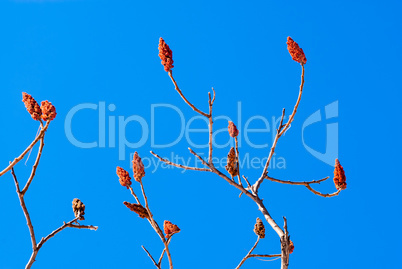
105 52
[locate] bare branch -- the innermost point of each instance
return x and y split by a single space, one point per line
184 98
210 125
35 166
156 227
152 258
69 224
25 210
248 254
290 120
199 157
323 194
280 131
19 158
295 182
179 165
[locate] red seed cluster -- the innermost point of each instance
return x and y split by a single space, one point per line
138 168
165 53
233 132
170 228
139 209
231 165
124 177
48 111
79 209
32 106
296 52
339 176
291 247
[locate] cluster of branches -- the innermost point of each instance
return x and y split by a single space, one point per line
242 183
46 112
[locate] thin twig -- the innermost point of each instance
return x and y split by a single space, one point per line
156 227
264 255
35 166
163 251
19 158
200 158
135 196
184 98
210 125
69 224
295 182
25 210
323 194
150 256
179 165
280 131
249 253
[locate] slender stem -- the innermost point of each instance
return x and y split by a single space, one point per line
265 255
210 124
179 165
25 210
256 185
135 196
150 256
280 131
249 253
35 166
323 194
297 183
307 184
163 252
19 158
156 227
290 120
184 98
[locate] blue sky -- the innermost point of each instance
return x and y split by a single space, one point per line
80 54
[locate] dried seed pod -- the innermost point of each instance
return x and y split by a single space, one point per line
79 209
170 229
48 111
165 53
291 247
124 177
231 166
139 209
296 52
32 106
138 168
233 132
259 228
339 176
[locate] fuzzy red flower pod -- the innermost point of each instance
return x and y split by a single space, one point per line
291 247
165 53
48 111
79 209
124 177
170 228
296 52
339 176
231 166
139 209
233 132
259 228
138 168
32 106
